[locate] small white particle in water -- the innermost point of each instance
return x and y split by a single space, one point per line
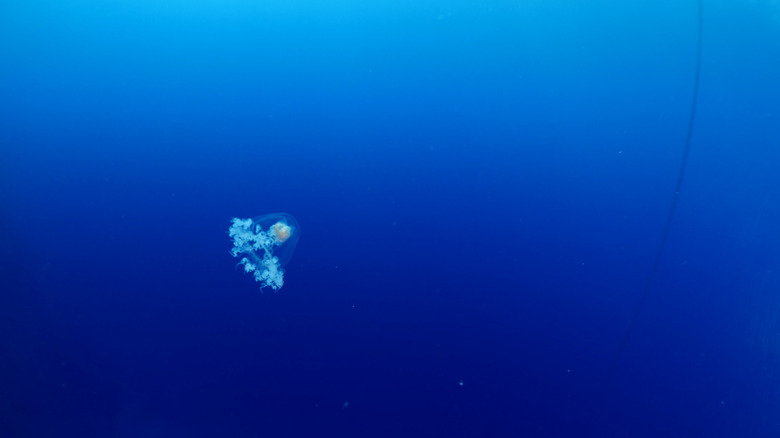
460 382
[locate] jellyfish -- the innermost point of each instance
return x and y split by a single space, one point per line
265 244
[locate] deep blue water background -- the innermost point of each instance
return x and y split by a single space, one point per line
481 187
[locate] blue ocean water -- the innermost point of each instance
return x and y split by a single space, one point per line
481 187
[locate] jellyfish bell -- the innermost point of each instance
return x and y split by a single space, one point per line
284 230
281 232
265 243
